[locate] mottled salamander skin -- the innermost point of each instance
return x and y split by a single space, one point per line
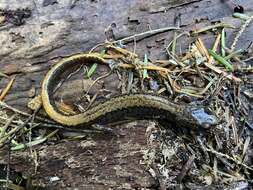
136 106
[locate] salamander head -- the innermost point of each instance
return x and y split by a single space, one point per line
201 117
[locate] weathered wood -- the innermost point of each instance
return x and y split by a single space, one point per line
96 162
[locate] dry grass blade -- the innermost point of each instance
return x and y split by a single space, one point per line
4 75
219 71
228 157
233 54
3 140
173 42
189 55
186 168
4 105
246 146
208 86
223 42
148 67
190 93
219 25
130 81
7 124
202 49
215 47
6 89
121 51
216 42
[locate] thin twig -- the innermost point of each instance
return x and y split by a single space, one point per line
145 34
2 104
238 35
228 157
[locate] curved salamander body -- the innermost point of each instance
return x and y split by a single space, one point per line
138 106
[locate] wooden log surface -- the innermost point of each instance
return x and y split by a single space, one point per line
60 28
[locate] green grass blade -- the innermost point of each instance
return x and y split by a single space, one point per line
29 144
92 70
221 60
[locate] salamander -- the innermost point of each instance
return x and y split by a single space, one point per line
137 106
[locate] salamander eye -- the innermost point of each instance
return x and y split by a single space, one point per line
206 125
